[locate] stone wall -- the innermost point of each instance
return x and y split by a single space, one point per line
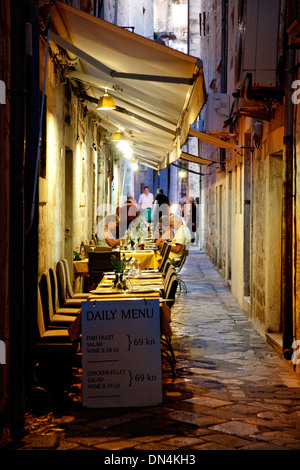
131 13
69 136
243 196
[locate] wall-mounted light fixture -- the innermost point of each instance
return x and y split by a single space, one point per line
106 102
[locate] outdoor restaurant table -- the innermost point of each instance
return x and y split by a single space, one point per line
80 268
104 293
148 260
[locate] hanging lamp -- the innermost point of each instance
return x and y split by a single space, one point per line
106 102
117 137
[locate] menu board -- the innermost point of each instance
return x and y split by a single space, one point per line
121 353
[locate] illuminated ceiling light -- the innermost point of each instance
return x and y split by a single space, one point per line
117 137
134 165
106 102
125 148
182 173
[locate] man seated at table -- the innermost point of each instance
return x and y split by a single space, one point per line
107 233
166 234
181 239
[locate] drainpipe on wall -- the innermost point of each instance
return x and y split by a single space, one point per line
224 46
287 214
223 65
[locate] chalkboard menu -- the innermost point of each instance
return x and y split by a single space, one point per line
121 353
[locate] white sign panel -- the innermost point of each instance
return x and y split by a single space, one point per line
121 353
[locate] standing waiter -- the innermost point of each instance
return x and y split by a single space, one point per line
145 203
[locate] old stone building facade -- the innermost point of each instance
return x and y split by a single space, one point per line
251 189
84 174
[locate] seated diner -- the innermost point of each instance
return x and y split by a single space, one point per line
166 233
181 239
107 233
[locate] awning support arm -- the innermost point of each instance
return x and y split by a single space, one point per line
113 73
187 169
153 78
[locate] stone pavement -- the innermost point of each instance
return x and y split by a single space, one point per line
232 390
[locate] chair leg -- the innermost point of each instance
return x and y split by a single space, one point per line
169 360
166 341
168 353
39 400
53 372
182 286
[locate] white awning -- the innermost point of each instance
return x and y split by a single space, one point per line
159 92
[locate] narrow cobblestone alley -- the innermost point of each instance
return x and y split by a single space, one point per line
232 390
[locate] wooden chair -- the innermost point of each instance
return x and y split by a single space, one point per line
69 289
182 284
182 260
62 288
166 267
171 291
54 355
170 272
73 311
166 335
99 263
163 248
165 256
51 318
166 305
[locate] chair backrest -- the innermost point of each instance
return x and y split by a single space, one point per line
166 266
54 289
101 260
69 291
182 260
99 263
40 315
171 291
169 274
46 298
62 284
164 258
163 248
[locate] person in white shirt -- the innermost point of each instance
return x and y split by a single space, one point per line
146 203
180 241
